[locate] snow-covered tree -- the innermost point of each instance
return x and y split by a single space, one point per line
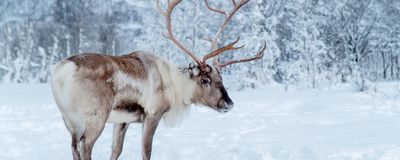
309 43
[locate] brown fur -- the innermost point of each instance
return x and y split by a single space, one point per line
105 65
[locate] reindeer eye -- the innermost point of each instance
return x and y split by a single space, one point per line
205 81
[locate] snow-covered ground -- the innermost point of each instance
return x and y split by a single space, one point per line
266 123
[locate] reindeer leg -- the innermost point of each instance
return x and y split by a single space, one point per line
89 138
94 125
118 140
149 128
74 146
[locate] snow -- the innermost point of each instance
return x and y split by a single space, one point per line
266 124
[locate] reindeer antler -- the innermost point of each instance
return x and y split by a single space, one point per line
259 55
230 46
167 15
214 41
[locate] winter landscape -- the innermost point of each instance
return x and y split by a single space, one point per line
267 123
328 87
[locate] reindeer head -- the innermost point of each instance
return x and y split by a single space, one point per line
210 90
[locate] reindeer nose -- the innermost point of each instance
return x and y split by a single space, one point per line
229 102
227 107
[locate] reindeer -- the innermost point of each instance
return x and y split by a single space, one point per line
93 89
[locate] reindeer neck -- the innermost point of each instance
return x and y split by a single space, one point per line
181 87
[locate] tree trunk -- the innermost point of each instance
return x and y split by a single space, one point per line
383 65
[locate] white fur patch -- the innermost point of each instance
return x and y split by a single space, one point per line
62 85
123 117
175 115
61 82
179 91
122 80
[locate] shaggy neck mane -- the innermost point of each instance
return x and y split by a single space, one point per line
180 89
184 87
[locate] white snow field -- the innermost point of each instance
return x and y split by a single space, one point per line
265 124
